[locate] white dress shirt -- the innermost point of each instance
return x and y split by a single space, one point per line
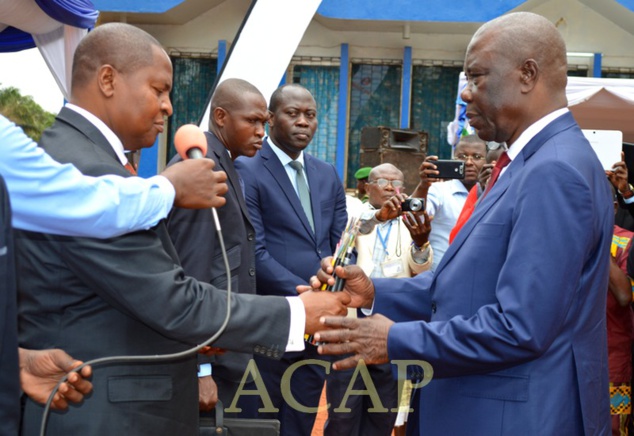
445 201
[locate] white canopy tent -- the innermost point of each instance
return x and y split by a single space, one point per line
603 104
599 104
55 40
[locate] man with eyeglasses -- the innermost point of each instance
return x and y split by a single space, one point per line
386 247
444 201
494 150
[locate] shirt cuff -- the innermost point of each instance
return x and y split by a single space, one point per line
298 324
368 312
204 370
421 256
628 200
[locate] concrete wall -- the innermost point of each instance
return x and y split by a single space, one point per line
583 28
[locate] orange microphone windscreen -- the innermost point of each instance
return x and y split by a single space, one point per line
187 139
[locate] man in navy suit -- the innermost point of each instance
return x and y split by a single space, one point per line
288 250
513 319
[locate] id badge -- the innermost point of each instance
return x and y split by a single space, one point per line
392 268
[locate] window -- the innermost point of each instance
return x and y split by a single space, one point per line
193 79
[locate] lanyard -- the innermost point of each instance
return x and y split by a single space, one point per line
384 240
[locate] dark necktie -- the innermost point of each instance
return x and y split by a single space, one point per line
503 161
302 189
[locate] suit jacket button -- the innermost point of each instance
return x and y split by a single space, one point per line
250 236
433 307
251 272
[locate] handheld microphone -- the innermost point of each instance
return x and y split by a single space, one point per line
190 142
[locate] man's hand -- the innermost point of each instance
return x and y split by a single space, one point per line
196 185
391 208
207 393
618 175
426 173
41 370
322 303
428 170
419 227
364 338
485 174
358 286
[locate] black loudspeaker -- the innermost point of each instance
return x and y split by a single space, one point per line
405 149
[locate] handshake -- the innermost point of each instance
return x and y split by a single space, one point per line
363 338
358 292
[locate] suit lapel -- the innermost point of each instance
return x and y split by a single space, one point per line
226 165
515 167
481 210
78 122
277 171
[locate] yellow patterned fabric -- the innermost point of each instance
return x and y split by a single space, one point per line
620 399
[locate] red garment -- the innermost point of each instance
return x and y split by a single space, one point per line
502 162
619 319
465 213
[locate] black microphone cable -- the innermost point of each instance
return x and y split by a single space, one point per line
156 358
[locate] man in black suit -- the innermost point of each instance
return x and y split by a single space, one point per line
128 295
236 128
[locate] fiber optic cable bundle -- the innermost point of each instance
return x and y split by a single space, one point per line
341 257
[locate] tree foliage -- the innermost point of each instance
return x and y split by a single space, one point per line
24 112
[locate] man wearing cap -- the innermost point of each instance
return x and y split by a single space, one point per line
362 178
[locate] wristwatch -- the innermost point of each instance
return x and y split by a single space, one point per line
417 248
629 192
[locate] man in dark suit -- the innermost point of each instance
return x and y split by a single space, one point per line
292 238
9 384
515 325
236 128
39 371
128 295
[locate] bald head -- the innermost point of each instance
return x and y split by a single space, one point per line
125 47
377 195
229 93
524 35
238 117
381 170
516 73
289 90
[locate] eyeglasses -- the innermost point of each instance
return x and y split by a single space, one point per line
382 183
473 157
